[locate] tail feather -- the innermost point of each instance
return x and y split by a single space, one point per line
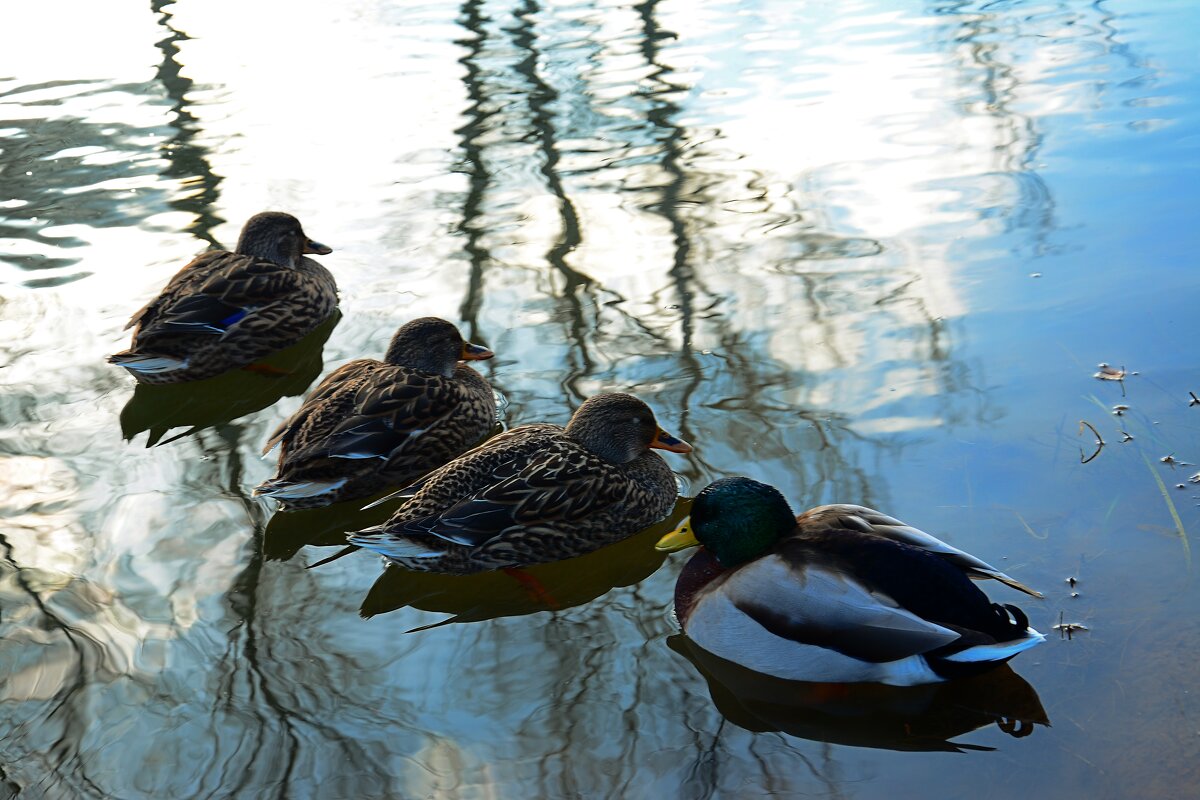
282 489
1000 651
147 363
1007 581
395 547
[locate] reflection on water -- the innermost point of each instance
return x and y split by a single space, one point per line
204 404
803 232
870 715
542 587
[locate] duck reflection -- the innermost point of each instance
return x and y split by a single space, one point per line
911 718
288 531
510 593
197 405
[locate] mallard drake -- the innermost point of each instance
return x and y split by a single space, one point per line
374 424
227 310
839 594
536 494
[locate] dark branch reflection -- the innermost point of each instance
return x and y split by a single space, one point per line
187 159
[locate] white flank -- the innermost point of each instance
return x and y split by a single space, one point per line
815 596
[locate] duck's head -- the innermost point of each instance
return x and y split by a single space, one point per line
277 237
619 428
736 519
433 345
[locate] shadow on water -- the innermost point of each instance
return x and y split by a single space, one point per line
488 595
289 531
913 718
214 401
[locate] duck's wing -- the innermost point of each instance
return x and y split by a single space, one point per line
213 299
497 459
320 401
870 521
773 609
552 492
183 283
397 414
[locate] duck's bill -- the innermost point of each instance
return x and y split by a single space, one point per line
665 441
316 248
679 539
475 352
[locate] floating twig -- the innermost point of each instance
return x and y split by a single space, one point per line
1066 629
1099 442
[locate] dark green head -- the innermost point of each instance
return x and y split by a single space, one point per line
277 237
431 344
739 519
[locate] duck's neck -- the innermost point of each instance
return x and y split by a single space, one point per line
701 570
270 250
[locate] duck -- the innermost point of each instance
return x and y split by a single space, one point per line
838 594
226 310
536 494
371 425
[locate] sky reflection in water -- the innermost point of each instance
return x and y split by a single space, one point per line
867 252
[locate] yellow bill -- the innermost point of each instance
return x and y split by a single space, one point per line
679 539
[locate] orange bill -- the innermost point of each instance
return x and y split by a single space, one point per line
665 441
475 352
316 248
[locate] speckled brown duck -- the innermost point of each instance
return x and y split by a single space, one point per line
373 424
537 493
226 310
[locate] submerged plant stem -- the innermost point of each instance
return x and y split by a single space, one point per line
1183 537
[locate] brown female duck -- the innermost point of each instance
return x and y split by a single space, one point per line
374 424
537 493
226 310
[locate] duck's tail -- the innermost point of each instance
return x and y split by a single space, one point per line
286 490
1025 638
147 363
397 548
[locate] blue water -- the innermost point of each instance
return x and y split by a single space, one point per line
868 252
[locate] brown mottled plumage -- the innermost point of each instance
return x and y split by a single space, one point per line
374 424
537 493
227 310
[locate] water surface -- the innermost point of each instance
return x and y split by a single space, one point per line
869 252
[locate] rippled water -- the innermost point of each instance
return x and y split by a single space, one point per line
870 252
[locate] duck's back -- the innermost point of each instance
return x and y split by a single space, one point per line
226 309
501 457
529 496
